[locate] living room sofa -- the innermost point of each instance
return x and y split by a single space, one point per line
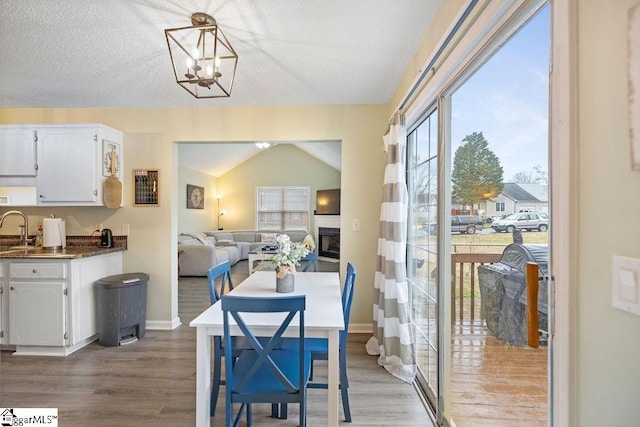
198 252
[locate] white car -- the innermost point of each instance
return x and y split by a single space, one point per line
530 221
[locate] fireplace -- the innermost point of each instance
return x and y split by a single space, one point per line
329 242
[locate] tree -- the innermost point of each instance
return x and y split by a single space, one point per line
477 174
523 178
541 175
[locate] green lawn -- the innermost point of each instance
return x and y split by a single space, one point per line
499 238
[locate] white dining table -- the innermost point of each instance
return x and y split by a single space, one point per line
323 319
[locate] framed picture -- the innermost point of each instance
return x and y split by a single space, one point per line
195 197
109 147
146 187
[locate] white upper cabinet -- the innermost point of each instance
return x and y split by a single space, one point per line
70 164
67 166
18 148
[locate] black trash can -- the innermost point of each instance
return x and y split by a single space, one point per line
122 308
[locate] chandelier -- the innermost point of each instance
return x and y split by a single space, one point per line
203 60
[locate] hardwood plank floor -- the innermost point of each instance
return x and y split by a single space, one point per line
152 381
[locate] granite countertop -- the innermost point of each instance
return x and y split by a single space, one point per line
77 247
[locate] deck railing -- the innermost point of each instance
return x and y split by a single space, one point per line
465 290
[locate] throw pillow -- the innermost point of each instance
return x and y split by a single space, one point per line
268 237
309 243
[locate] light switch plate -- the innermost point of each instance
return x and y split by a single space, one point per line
626 284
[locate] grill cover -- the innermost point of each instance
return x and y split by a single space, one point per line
504 296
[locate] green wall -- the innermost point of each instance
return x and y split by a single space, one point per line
282 165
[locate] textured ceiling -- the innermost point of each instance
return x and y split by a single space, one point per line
113 53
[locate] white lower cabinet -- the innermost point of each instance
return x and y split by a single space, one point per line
51 303
38 313
4 308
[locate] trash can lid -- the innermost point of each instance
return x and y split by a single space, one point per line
120 280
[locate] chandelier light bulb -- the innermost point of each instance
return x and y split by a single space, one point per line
189 62
209 71
217 62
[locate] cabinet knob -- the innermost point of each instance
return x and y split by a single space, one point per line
12 288
42 196
34 271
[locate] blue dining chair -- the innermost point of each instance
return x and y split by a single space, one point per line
311 260
319 347
221 271
266 373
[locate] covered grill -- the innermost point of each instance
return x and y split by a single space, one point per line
504 292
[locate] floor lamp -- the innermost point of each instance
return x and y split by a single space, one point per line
220 213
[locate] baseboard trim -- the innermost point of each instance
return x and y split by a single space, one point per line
163 325
360 328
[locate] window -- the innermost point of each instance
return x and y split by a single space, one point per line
499 206
282 208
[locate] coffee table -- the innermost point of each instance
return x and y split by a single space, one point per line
259 254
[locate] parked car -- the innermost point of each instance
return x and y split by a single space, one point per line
522 221
464 224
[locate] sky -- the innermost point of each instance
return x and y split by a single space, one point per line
507 100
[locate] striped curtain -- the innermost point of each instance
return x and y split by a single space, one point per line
393 339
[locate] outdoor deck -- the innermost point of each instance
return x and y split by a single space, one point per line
492 383
495 384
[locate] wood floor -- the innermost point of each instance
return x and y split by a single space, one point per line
152 382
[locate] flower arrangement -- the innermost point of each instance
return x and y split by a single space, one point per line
288 256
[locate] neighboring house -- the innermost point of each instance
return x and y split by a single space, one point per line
518 197
513 198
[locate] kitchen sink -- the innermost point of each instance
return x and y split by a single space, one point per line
33 252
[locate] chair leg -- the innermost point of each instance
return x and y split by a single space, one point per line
215 389
344 388
283 411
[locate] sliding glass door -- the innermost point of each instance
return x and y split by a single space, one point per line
480 152
422 182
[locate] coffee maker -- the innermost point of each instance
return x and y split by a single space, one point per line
106 238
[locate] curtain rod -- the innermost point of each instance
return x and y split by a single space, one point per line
439 52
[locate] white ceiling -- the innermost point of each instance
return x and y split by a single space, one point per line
113 53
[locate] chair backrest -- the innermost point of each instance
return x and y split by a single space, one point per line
221 270
235 305
311 259
347 298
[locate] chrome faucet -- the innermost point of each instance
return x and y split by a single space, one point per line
24 229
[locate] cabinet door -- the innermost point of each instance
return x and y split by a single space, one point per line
17 152
37 313
4 334
67 165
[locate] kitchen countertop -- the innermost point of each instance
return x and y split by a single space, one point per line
77 247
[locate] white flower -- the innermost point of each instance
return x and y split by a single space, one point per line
289 253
